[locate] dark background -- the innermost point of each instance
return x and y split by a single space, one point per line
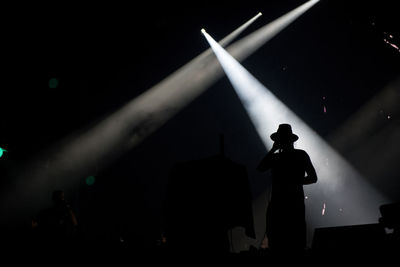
104 55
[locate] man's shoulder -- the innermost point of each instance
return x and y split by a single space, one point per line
301 152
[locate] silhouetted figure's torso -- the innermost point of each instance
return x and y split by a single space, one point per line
288 170
286 227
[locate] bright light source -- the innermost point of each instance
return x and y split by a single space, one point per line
339 183
260 14
1 151
203 31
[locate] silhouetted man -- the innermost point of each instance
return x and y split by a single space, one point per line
291 169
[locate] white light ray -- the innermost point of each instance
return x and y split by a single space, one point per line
339 184
98 146
249 44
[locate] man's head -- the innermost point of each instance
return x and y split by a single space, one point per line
284 135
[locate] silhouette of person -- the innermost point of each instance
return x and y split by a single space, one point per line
206 198
290 169
58 224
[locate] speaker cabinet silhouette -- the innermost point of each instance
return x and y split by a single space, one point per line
349 238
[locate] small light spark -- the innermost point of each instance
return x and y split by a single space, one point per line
391 44
306 197
389 117
323 210
324 109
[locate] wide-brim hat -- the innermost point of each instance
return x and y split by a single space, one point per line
284 133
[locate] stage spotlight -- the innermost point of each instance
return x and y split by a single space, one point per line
370 139
345 197
203 31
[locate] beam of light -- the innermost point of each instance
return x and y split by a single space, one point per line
78 155
368 119
248 45
339 184
239 30
370 139
94 148
182 90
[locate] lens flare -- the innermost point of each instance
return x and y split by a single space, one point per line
2 151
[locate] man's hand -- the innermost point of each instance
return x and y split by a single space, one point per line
275 147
